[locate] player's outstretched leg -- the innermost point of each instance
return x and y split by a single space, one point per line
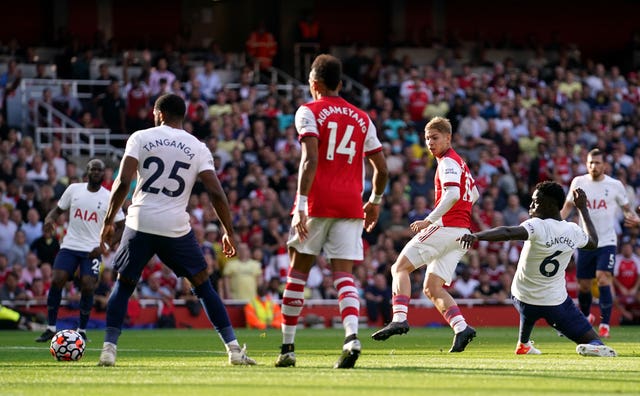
595 350
391 329
462 339
527 348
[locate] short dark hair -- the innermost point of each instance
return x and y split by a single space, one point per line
328 69
596 152
553 191
95 161
171 106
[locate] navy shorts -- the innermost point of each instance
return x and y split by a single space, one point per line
565 317
601 259
183 254
69 260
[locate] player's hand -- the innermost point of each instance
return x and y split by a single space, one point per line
419 225
49 227
467 240
631 221
106 234
299 224
579 198
371 215
95 253
228 246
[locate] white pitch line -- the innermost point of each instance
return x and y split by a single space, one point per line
33 348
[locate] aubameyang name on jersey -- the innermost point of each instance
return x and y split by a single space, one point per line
170 143
560 240
327 111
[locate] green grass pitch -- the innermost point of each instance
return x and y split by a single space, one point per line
192 362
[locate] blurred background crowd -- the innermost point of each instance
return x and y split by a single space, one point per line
517 121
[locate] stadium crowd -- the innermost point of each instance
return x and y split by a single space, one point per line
516 125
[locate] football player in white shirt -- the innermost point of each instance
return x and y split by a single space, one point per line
538 289
167 161
86 204
605 194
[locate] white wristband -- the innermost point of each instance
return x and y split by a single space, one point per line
301 204
375 199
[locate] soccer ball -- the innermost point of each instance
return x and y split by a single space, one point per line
67 345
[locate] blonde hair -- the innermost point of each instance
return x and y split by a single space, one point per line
440 124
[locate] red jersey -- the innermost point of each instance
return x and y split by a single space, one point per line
453 172
627 270
345 136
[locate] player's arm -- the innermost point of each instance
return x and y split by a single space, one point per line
120 189
306 175
504 233
569 204
221 205
50 219
117 234
631 219
450 195
380 178
580 202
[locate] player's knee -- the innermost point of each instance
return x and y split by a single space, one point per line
402 265
431 291
87 287
199 278
58 280
603 279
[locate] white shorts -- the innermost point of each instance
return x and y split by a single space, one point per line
437 248
340 238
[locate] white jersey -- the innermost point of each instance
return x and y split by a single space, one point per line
603 199
169 161
539 279
86 212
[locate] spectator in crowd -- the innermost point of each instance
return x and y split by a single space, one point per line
242 275
210 82
111 109
163 296
378 298
67 102
18 251
626 282
487 291
464 285
46 246
261 312
11 290
160 75
262 46
30 271
33 227
29 200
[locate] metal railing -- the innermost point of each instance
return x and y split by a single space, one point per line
90 142
31 90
